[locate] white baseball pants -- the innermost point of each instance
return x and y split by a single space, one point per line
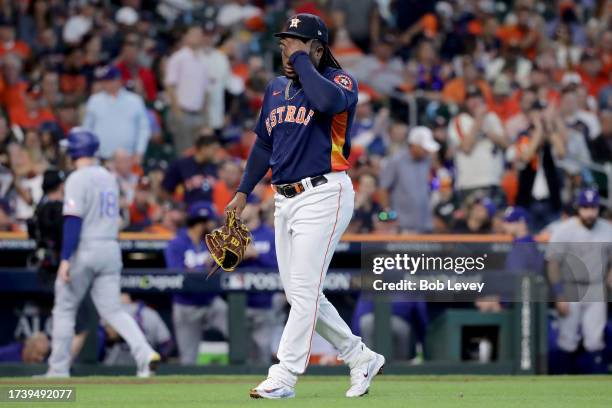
586 321
308 228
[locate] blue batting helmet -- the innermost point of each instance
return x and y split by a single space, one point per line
81 143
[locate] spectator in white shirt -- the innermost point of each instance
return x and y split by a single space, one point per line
219 72
479 139
187 82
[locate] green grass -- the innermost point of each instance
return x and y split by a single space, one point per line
324 392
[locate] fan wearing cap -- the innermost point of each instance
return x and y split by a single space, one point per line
404 181
303 136
117 116
579 258
524 258
193 313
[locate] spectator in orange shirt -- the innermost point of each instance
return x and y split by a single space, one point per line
172 218
72 77
8 44
504 101
144 211
591 73
14 87
136 77
522 35
229 179
31 114
455 89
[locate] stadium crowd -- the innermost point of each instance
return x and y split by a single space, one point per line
465 106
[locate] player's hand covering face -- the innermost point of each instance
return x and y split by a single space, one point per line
291 45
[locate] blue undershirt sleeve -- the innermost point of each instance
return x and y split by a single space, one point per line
72 233
257 166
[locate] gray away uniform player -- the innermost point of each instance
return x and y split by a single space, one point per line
91 258
579 258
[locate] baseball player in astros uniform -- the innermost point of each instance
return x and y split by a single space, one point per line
579 265
303 136
91 258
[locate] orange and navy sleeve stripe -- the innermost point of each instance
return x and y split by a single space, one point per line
338 132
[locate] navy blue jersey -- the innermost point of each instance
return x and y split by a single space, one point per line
525 257
263 240
197 179
307 134
181 254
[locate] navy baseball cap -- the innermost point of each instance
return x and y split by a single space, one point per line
515 214
305 26
200 210
588 197
107 72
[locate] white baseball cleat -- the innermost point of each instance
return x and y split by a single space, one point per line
363 374
149 368
272 389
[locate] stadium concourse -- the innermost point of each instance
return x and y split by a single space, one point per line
480 126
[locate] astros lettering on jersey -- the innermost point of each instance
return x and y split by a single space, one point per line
305 142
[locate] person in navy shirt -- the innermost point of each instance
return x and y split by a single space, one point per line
196 174
194 313
524 258
261 254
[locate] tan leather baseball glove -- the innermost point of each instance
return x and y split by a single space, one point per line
228 243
